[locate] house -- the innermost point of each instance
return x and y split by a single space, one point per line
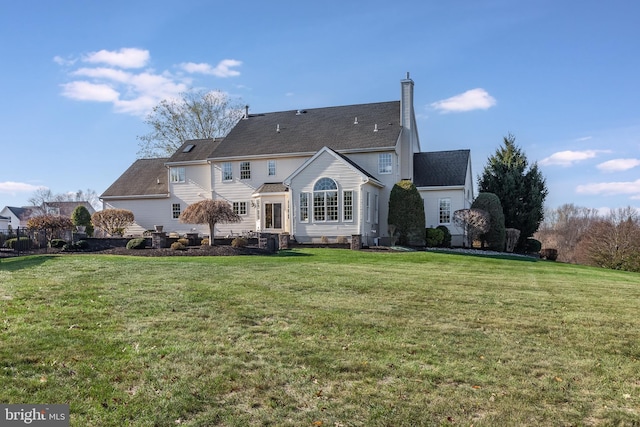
18 217
314 173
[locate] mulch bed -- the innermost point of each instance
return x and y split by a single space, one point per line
220 250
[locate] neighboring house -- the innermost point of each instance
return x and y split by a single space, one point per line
18 217
4 222
323 172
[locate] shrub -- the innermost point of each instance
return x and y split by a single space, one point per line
239 242
58 243
138 243
533 246
205 241
324 239
113 221
23 244
446 240
184 241
406 213
549 253
434 237
77 246
342 240
177 246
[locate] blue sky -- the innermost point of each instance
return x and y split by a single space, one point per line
78 77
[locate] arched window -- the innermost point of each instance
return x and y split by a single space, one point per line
325 200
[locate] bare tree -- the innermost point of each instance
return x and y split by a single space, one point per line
613 242
209 212
474 222
44 195
564 229
195 115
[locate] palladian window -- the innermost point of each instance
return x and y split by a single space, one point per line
325 200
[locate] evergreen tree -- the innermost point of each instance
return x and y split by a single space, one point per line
406 213
520 188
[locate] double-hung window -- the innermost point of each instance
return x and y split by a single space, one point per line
245 170
347 205
227 171
444 211
304 207
271 166
175 210
177 175
385 163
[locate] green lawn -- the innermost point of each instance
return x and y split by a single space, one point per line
321 337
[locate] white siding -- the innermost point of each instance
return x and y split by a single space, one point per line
432 198
326 165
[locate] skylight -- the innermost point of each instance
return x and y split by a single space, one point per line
188 148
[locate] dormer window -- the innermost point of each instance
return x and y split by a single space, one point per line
177 175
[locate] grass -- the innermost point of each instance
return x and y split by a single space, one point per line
321 338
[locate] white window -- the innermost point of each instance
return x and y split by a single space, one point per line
227 171
385 165
347 205
368 207
445 211
304 207
176 175
175 210
272 167
325 200
245 170
376 215
240 208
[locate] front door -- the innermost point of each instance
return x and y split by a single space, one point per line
272 215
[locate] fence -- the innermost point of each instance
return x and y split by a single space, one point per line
26 240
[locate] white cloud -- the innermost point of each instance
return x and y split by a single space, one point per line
87 91
611 188
618 165
474 99
584 138
124 58
568 158
13 188
133 92
223 69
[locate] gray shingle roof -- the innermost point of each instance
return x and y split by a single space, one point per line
307 131
272 187
198 149
146 177
440 168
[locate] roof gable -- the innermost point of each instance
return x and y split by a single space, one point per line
440 168
145 177
350 163
343 128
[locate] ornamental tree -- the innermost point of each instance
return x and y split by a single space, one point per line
113 221
494 238
52 225
209 212
474 222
